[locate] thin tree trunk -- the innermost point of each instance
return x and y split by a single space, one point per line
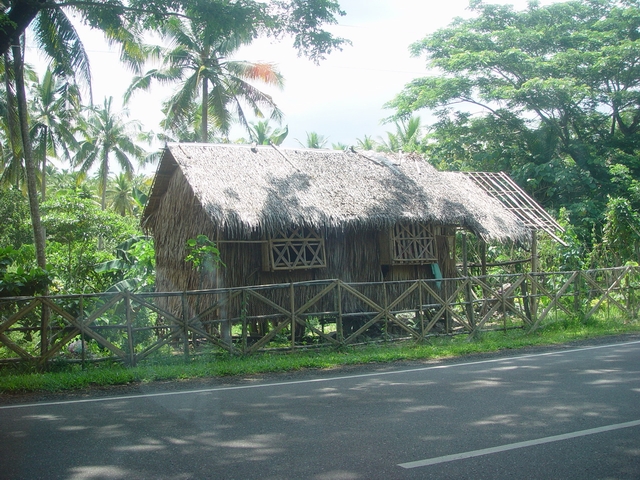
105 176
43 191
103 183
32 184
12 116
205 110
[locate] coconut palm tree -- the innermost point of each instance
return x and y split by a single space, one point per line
120 195
54 106
107 135
12 165
366 143
314 140
58 39
199 59
262 133
406 137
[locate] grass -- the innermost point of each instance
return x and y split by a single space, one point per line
73 377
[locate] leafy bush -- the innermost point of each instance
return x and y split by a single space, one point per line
20 281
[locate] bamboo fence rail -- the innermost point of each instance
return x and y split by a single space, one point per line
130 327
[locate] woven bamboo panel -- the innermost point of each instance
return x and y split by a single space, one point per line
296 249
413 243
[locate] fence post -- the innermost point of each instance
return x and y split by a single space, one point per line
534 270
339 332
127 306
465 273
44 331
185 327
386 311
576 294
83 352
292 303
630 297
420 309
243 314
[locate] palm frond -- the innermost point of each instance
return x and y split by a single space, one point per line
58 38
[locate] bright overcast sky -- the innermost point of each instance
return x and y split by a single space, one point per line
342 98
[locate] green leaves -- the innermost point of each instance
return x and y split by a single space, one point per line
21 281
203 254
550 94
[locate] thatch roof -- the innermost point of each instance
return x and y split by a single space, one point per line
246 189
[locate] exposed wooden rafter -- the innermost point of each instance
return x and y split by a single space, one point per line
501 187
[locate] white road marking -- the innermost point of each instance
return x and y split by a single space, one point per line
513 446
314 380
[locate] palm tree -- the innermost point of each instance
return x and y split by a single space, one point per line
120 195
55 103
314 140
12 166
106 134
263 134
366 143
199 59
56 36
406 137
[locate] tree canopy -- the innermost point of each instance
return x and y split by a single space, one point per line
550 94
198 60
302 19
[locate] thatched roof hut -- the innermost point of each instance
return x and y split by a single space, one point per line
248 199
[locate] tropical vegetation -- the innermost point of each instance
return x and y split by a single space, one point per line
549 94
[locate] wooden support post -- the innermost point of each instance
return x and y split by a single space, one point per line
384 307
45 316
483 259
534 280
483 273
420 311
339 332
127 306
576 294
82 335
292 302
243 314
185 327
465 273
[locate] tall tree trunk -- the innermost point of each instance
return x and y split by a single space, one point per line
205 110
32 184
103 185
104 177
43 191
12 116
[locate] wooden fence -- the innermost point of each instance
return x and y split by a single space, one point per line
131 327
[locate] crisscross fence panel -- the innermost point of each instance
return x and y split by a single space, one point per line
130 327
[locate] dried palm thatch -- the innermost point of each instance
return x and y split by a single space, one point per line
239 195
247 190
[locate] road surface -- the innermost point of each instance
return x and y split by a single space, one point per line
567 413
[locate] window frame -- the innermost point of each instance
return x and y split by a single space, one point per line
290 249
413 244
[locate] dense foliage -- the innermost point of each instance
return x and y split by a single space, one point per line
550 95
43 123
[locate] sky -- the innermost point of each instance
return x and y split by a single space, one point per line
342 98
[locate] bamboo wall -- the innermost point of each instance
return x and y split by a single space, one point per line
353 255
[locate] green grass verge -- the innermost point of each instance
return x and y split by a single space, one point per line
67 378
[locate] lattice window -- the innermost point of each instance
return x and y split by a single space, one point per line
413 243
296 249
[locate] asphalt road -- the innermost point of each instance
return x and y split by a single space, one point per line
572 413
